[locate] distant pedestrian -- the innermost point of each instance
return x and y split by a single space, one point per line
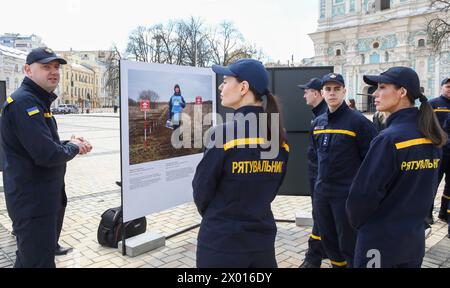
380 120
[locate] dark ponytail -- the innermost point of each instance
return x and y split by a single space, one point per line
428 123
272 106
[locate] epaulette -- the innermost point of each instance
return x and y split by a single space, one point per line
8 101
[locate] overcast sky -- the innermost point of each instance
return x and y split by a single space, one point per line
279 27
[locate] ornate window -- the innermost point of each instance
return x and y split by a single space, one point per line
421 43
374 58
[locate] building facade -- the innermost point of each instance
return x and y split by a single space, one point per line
21 42
11 67
361 37
78 87
83 79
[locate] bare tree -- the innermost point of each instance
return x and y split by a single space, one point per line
224 40
139 44
166 40
190 43
112 74
438 27
228 45
149 95
196 48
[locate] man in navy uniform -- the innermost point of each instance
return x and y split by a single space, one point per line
341 139
35 161
441 106
314 99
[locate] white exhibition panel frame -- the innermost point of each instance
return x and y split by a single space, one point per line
163 192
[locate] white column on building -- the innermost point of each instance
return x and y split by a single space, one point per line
437 72
358 6
329 9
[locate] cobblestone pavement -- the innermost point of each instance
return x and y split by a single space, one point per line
91 190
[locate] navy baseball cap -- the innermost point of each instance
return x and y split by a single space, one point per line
43 55
445 81
333 77
250 70
314 83
402 76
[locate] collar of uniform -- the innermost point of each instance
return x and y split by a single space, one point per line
403 115
445 99
249 109
320 109
46 97
339 111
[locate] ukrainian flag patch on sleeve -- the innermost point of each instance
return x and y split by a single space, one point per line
33 111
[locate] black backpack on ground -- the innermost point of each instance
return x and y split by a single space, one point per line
110 229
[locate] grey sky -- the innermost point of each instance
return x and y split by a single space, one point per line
163 83
279 27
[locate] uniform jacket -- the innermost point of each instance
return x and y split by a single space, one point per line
441 107
233 190
34 157
312 156
341 141
393 190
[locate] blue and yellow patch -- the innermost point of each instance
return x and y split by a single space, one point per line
33 111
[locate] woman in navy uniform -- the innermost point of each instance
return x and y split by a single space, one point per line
446 214
441 106
341 139
235 182
391 196
314 99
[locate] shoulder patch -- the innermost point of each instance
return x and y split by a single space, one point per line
8 101
33 111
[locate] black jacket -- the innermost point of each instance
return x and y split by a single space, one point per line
34 157
233 190
312 155
341 141
393 192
